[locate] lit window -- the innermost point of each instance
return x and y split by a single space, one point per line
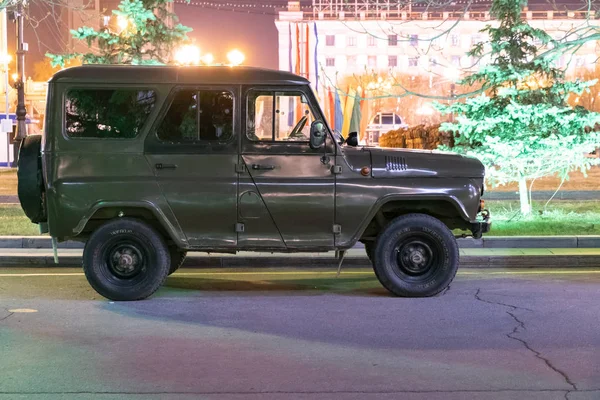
371 41
414 40
351 41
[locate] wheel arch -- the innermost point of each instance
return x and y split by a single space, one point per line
447 209
102 212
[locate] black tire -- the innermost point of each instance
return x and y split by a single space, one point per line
416 255
177 258
30 186
125 259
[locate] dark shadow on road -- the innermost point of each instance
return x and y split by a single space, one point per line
358 286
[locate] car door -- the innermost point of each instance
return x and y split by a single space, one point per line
193 150
296 183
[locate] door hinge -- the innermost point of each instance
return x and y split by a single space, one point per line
240 168
239 227
336 169
337 229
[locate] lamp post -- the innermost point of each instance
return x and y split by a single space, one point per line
20 82
6 123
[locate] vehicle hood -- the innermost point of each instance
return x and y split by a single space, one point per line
392 163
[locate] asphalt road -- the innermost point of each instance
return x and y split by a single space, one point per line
286 334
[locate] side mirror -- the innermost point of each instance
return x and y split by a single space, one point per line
352 139
317 135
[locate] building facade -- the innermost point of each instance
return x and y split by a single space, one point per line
339 38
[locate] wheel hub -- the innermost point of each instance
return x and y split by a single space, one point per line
415 257
126 261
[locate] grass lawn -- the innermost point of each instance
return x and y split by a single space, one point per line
8 183
559 218
14 222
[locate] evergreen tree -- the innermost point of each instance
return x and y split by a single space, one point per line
145 32
522 127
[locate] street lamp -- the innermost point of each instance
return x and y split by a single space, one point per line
6 123
187 55
235 57
208 59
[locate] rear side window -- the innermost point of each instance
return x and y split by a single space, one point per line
107 113
205 115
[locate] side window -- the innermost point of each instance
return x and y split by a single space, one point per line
107 113
278 116
204 115
180 124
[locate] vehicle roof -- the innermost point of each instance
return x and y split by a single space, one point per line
176 74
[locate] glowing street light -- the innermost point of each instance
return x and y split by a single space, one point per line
5 59
235 57
122 22
208 59
188 55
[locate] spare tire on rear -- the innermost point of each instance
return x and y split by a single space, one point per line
31 182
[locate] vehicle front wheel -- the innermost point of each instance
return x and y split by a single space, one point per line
415 255
125 259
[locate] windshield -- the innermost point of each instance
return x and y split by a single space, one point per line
338 137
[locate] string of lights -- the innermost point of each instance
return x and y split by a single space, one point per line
209 4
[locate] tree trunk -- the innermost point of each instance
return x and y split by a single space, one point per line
524 197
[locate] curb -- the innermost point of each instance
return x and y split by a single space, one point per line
488 242
357 259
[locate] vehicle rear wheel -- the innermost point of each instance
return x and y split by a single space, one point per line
126 259
30 186
416 255
177 258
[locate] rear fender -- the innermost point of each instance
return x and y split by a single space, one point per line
103 211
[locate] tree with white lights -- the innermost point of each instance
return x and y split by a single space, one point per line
140 32
522 126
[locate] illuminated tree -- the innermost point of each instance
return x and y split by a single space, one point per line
522 127
142 32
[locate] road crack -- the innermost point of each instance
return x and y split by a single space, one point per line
521 327
10 314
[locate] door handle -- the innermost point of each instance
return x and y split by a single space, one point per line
165 166
263 167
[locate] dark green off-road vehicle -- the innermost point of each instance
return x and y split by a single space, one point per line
147 163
